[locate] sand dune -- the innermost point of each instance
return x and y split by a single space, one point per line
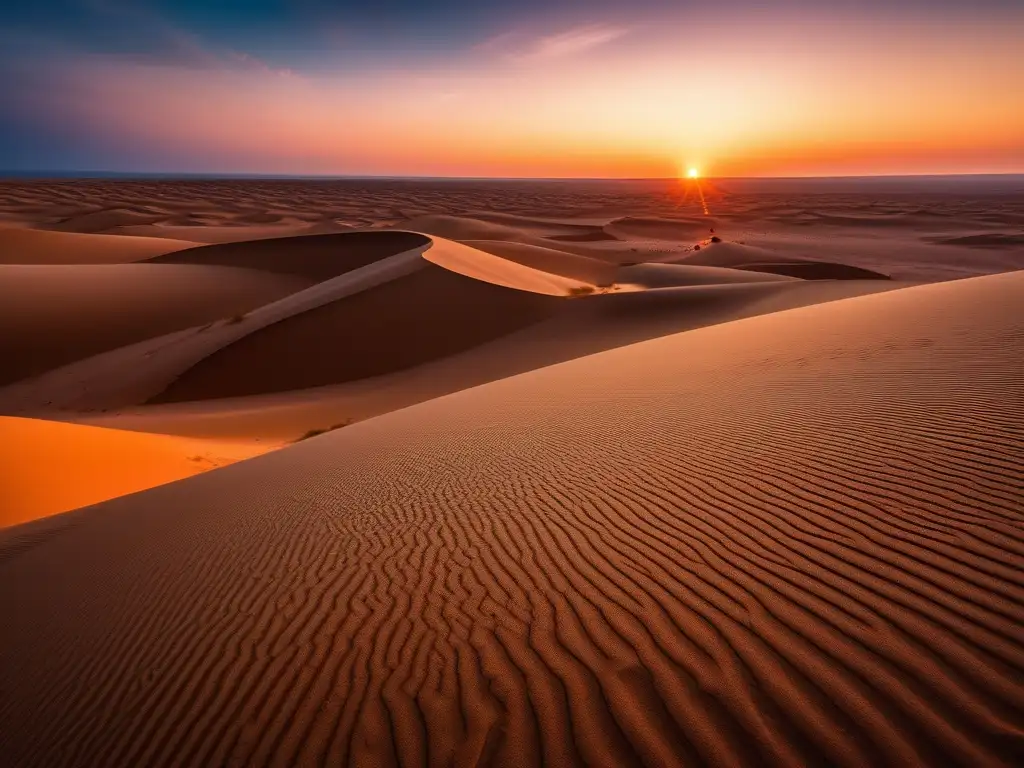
34 246
738 256
369 333
371 321
908 229
787 540
106 219
986 240
312 257
815 270
52 315
48 467
200 232
669 275
579 328
368 305
582 269
687 230
467 229
523 267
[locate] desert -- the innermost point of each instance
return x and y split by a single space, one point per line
381 472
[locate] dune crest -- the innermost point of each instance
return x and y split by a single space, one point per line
522 268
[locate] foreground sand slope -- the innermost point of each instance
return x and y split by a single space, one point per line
47 467
787 540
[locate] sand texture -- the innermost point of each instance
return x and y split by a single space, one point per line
784 540
494 473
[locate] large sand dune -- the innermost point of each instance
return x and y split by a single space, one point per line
427 314
787 540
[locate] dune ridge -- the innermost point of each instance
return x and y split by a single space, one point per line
785 540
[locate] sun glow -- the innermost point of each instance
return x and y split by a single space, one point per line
692 173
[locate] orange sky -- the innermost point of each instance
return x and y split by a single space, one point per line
770 96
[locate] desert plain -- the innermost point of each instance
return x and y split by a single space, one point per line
412 472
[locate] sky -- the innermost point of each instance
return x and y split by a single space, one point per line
531 88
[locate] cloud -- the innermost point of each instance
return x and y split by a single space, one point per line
573 41
129 32
516 46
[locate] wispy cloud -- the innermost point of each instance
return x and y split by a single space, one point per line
573 41
517 46
138 33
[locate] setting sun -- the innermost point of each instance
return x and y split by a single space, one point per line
693 173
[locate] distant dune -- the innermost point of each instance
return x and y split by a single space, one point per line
735 256
988 240
311 257
33 246
687 230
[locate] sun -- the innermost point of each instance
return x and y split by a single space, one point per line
692 173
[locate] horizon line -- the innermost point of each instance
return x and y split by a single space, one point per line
89 174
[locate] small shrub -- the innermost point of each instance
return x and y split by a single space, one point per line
322 430
716 239
581 290
696 247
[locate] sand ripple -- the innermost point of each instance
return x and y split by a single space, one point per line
789 540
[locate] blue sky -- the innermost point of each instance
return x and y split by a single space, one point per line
68 66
